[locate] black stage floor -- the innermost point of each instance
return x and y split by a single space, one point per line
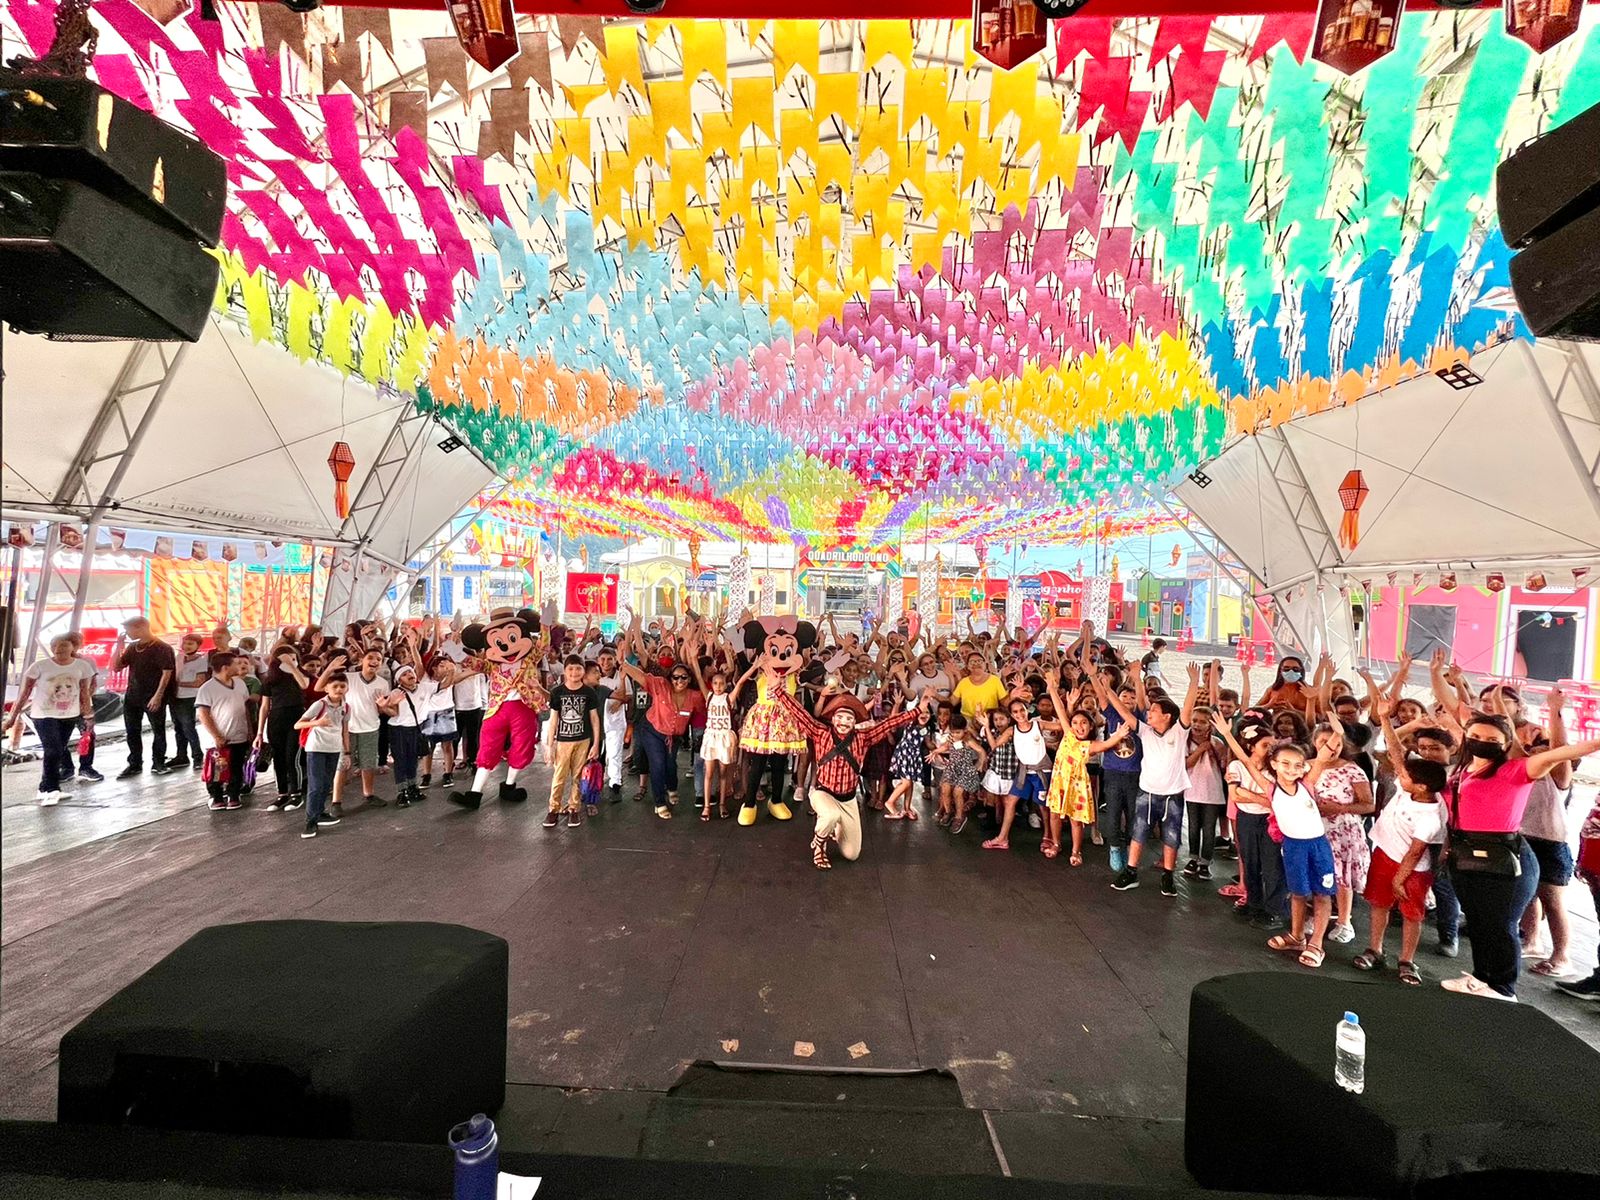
641 946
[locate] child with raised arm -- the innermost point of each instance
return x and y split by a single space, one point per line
1307 856
1069 797
1163 778
1403 841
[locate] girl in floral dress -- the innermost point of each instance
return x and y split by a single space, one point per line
1344 796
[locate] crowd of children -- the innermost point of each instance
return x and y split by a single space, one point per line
1322 794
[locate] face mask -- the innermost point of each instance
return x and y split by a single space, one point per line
1292 676
1480 748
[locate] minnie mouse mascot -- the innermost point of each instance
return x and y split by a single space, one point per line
509 647
770 734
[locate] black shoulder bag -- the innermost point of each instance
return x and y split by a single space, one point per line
1472 853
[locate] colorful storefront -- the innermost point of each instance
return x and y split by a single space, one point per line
1507 631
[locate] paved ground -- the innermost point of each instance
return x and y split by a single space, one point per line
639 946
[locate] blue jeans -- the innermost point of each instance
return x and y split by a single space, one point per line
1164 812
185 730
1120 791
1446 908
663 766
55 735
321 767
1261 865
1493 905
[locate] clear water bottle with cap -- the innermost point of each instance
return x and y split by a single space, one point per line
477 1150
1350 1054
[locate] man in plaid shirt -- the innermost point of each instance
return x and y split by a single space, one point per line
839 744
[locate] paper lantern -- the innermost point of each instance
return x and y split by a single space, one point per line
1352 495
341 461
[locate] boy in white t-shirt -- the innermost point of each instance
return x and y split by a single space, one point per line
193 669
326 738
1401 873
222 706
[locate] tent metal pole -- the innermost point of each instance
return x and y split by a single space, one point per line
52 542
1561 419
406 580
108 494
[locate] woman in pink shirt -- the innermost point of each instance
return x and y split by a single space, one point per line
1489 796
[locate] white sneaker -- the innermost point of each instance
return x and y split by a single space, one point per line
49 799
1342 934
1034 821
1471 985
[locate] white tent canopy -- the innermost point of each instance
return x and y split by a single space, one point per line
236 444
1502 475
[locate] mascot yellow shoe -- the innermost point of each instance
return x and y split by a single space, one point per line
778 810
747 814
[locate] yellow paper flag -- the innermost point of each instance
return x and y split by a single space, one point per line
621 59
753 105
670 108
839 96
880 130
794 44
705 49
798 131
888 39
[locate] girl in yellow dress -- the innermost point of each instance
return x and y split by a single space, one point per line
1070 798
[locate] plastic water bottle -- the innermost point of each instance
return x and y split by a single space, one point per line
1350 1054
477 1148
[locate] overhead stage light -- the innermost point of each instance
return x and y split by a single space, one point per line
646 7
302 6
1460 376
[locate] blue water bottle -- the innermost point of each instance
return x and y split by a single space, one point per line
477 1150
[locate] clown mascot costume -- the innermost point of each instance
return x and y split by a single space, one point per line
770 733
508 647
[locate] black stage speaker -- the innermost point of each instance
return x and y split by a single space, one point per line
75 262
383 1031
105 214
1548 195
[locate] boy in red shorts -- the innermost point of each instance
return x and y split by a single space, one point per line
1401 872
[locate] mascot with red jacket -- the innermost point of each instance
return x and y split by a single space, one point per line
509 649
770 734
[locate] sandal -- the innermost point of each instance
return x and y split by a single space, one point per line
1409 973
890 814
705 814
1235 890
1545 968
1045 846
995 843
911 814
722 812
819 854
1050 850
1283 942
1076 859
1312 957
1371 960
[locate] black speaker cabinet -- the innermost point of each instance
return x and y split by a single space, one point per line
1548 195
74 262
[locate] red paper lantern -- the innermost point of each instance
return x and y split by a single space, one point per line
341 462
1352 495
